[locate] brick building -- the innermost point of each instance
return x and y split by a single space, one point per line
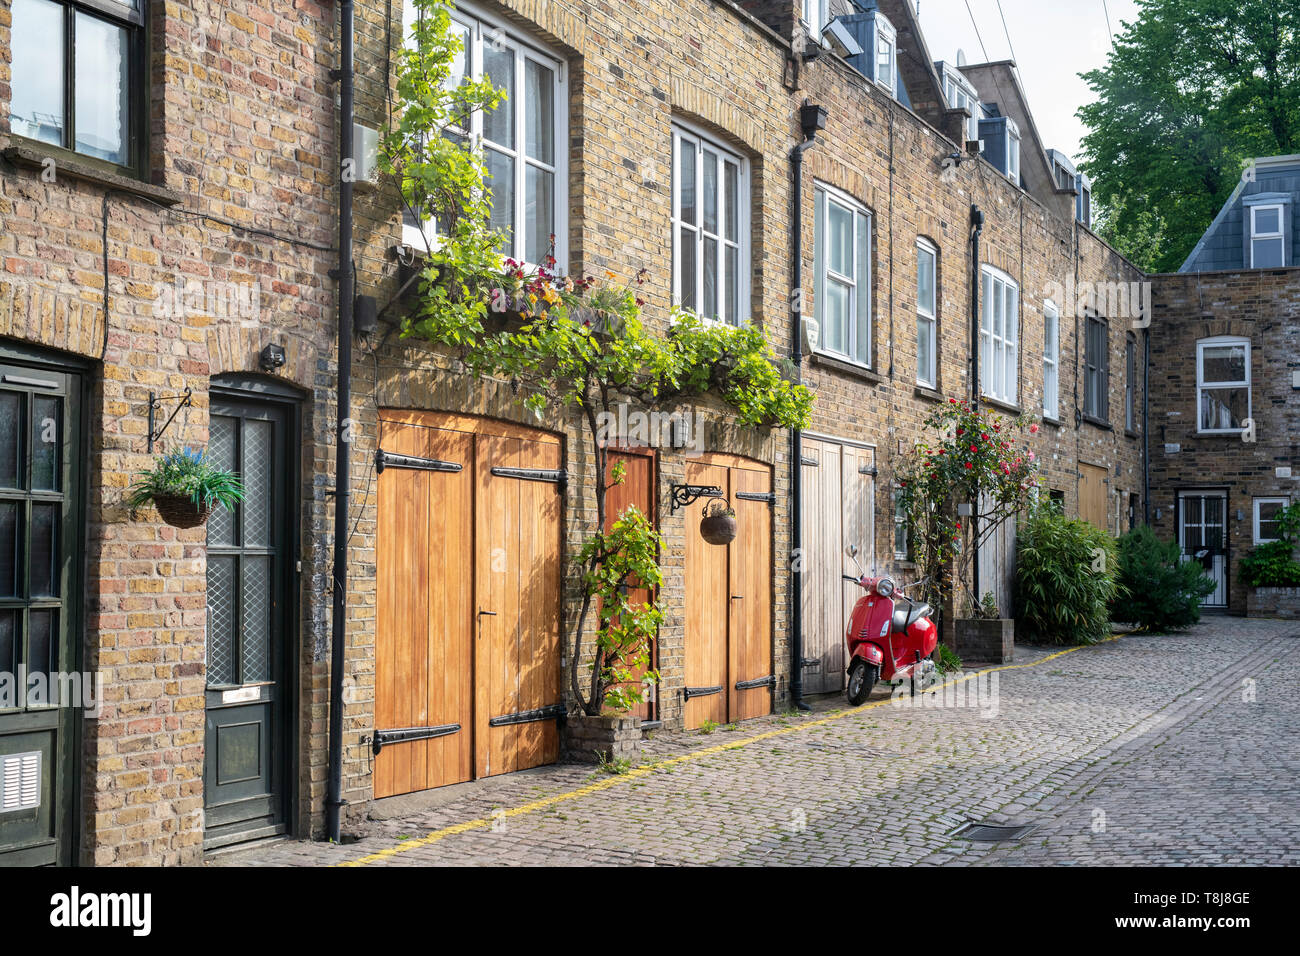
183 240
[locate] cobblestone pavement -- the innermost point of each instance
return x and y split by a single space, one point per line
1177 750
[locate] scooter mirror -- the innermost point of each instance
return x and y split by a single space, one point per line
851 551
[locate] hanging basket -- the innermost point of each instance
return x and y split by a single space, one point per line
718 526
180 511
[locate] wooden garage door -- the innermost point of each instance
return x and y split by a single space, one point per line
1093 495
729 598
468 630
838 509
637 488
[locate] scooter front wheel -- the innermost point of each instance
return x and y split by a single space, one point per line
862 677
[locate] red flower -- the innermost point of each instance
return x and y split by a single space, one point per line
985 437
1033 429
973 448
969 465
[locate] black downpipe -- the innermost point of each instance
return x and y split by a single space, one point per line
342 447
811 119
977 228
1146 422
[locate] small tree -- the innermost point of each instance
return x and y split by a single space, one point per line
1161 591
977 458
1066 577
578 344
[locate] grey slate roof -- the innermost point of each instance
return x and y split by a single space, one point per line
1224 243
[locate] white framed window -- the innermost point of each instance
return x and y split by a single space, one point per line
1013 153
886 52
999 335
960 94
1222 384
842 267
816 14
1096 368
523 141
1265 519
710 219
1267 240
927 341
1051 360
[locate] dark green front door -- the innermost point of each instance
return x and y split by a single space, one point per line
41 692
249 579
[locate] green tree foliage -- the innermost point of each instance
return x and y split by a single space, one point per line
1066 578
1161 591
1192 89
1273 564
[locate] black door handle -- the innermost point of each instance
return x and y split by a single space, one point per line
489 613
738 597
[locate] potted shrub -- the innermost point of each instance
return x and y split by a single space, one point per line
185 486
1271 571
718 526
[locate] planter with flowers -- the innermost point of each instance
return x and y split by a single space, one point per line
957 492
186 487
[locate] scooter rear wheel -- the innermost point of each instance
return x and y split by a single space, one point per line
862 677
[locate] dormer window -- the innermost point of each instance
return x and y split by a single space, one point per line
1267 239
886 50
961 95
816 14
1000 140
1013 153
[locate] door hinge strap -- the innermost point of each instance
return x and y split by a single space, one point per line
805 460
553 712
689 692
811 662
768 496
402 735
768 681
553 475
387 459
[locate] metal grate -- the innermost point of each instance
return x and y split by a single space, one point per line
992 832
221 449
256 657
221 629
258 496
20 781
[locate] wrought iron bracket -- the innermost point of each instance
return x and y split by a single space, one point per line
553 712
689 692
155 403
686 495
767 497
769 681
388 459
403 735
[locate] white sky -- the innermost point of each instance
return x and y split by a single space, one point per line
1055 40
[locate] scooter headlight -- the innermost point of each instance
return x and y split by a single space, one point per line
885 587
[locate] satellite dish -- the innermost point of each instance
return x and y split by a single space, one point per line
961 57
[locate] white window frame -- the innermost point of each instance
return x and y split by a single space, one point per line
959 93
741 244
1284 502
886 35
999 352
1013 153
1051 360
1279 236
857 284
816 14
1202 385
484 28
927 314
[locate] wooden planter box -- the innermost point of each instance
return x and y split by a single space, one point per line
615 737
1273 602
988 641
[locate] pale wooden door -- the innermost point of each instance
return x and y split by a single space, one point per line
707 599
1092 494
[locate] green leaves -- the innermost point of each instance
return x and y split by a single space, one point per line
1273 564
189 473
1066 578
1162 591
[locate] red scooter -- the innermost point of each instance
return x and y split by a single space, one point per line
890 635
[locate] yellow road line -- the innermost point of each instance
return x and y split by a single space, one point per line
647 769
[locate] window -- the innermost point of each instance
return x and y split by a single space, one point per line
961 95
1130 383
523 141
1267 245
710 228
1096 368
902 539
842 264
927 341
1266 519
815 16
999 336
76 76
1013 153
1051 360
886 44
1222 385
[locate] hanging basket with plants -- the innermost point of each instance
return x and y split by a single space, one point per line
718 524
186 487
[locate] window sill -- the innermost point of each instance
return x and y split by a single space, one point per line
34 155
1054 422
905 563
1098 423
928 393
1130 433
846 367
999 403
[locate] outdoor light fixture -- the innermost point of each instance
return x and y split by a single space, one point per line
811 119
271 358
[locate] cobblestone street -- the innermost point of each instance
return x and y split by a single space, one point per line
1144 750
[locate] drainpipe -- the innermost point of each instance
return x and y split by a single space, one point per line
811 119
977 228
342 440
1146 422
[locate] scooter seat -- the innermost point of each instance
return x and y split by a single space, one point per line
907 615
900 619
